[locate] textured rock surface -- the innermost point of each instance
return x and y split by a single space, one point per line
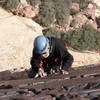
85 58
16 41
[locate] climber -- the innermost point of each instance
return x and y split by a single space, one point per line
50 55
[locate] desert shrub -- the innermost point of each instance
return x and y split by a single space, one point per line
53 32
61 16
73 23
10 4
98 21
47 13
85 38
2 2
54 11
62 11
82 3
34 2
73 12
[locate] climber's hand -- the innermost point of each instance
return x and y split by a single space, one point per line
41 73
65 72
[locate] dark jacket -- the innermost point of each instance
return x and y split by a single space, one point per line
59 56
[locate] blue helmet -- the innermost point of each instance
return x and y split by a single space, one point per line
41 44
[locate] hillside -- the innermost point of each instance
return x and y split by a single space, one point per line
75 21
22 25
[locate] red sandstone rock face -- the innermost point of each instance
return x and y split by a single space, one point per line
80 19
89 12
81 84
26 10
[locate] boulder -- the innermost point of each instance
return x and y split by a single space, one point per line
90 11
81 20
16 41
26 10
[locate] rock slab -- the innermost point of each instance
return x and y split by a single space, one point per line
16 41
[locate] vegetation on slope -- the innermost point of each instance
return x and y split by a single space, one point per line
85 38
54 11
9 4
57 12
47 13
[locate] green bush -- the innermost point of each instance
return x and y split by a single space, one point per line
73 12
62 11
53 32
73 23
47 13
82 3
10 4
61 16
85 38
34 2
2 2
54 10
98 21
